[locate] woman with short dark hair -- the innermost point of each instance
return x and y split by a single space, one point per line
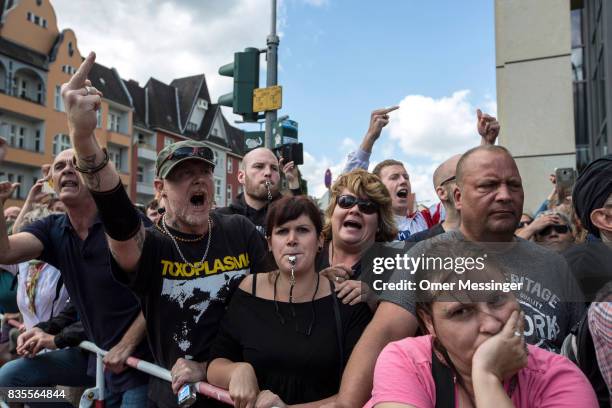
286 338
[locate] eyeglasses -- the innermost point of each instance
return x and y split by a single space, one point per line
448 180
523 224
184 152
365 206
560 229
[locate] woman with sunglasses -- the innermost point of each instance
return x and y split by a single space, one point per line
551 229
285 338
359 213
474 353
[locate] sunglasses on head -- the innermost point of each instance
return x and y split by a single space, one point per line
184 152
560 229
365 206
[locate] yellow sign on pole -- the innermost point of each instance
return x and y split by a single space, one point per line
267 99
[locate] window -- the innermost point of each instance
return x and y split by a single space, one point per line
140 174
37 20
216 157
21 138
114 155
30 16
230 193
37 146
113 122
218 195
70 49
13 136
39 95
61 142
229 165
59 103
168 141
44 23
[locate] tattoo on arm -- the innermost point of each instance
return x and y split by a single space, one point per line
93 180
140 238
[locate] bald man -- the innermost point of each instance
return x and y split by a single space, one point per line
489 196
11 213
444 183
259 175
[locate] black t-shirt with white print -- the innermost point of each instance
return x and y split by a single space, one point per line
183 305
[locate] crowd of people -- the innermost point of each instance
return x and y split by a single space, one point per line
270 297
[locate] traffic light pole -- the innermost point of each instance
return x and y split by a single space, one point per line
272 75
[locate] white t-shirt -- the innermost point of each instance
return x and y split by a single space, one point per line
46 289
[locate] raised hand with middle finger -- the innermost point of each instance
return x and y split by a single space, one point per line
378 120
82 102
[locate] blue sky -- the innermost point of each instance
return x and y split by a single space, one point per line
339 60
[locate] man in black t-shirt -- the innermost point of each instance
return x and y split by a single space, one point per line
183 270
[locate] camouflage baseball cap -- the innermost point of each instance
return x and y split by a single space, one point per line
179 152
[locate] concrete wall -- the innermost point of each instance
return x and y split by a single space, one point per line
534 89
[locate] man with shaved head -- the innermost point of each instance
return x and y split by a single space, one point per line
444 182
489 198
260 177
75 244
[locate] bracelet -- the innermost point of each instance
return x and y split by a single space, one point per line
92 170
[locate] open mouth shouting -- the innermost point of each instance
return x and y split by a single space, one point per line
402 193
69 184
198 199
352 225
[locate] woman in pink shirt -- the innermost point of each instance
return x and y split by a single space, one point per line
474 354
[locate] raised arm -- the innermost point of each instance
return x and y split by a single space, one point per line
18 247
488 128
35 196
123 227
361 158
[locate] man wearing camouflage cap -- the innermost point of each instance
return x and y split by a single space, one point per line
184 269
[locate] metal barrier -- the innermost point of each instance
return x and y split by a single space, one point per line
96 395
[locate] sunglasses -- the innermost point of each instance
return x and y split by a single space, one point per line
185 152
365 206
560 229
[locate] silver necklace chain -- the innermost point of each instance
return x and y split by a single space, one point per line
176 243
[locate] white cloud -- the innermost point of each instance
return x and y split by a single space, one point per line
313 171
434 128
166 40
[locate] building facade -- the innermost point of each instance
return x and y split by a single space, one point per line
551 63
134 123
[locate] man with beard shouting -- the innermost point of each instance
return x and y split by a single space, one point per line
183 270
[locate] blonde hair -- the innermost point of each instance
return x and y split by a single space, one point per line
364 184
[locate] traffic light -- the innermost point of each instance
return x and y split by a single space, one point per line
245 70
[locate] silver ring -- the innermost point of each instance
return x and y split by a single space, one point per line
518 334
337 279
91 90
